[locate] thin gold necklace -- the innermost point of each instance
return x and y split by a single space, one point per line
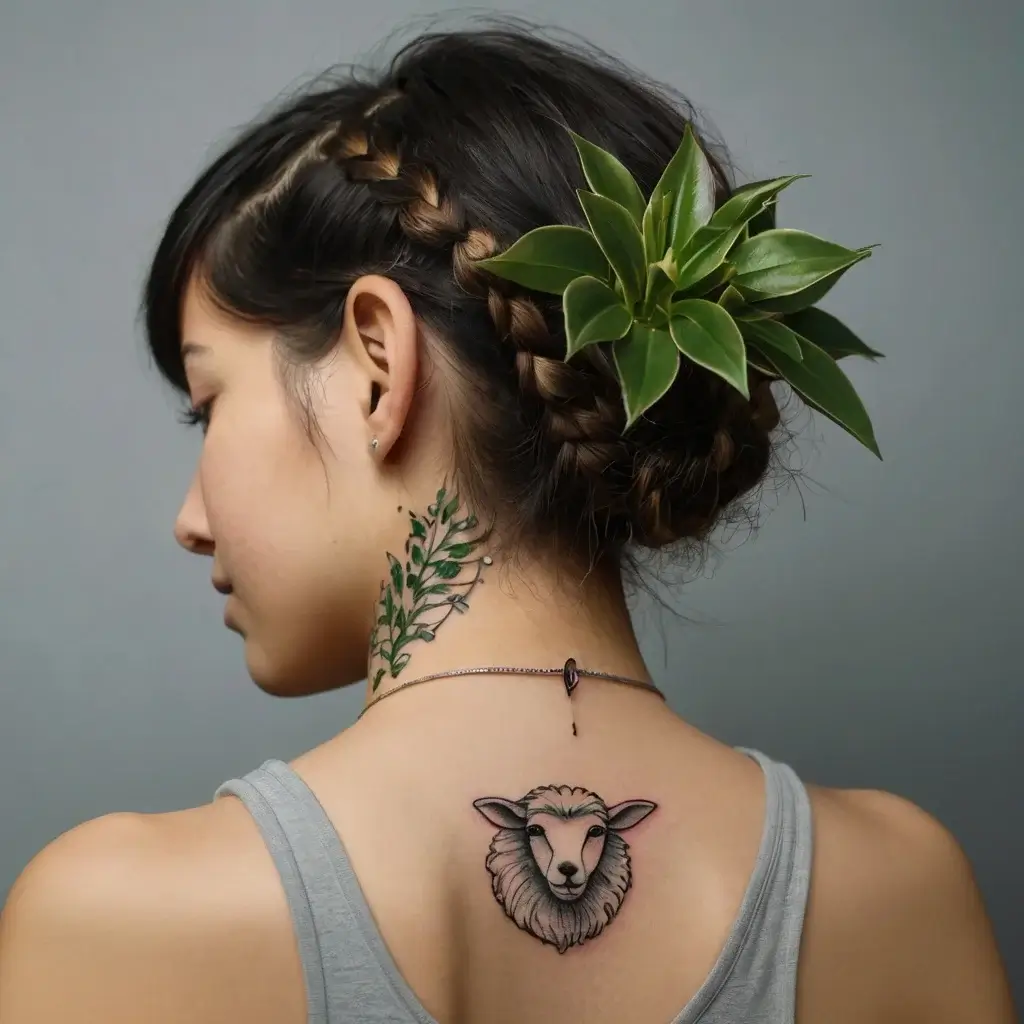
569 672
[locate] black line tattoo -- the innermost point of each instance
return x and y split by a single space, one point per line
559 868
416 601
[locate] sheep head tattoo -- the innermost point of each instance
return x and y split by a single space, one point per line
559 867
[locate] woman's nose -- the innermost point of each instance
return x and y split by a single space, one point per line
191 529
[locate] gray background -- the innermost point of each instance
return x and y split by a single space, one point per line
869 642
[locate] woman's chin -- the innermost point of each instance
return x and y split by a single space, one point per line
284 677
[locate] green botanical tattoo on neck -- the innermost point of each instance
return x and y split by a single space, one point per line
417 599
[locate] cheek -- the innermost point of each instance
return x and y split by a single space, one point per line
281 540
254 497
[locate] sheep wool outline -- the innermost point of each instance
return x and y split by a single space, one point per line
559 867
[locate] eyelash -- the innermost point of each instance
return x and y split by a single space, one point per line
197 415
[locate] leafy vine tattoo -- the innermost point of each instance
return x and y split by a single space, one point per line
416 600
559 867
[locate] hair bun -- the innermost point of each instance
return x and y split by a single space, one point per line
682 488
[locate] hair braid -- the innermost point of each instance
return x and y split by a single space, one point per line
581 403
576 414
456 149
582 406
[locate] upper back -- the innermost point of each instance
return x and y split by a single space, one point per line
396 916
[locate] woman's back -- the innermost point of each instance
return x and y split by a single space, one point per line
708 926
450 396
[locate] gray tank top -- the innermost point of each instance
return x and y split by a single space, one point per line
350 975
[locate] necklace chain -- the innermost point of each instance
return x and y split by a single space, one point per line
570 666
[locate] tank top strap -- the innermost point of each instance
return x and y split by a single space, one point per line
345 962
754 978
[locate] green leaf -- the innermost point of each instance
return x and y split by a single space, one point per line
436 588
824 386
448 570
608 177
397 575
689 180
378 676
763 220
655 228
399 663
722 273
412 581
660 285
449 510
400 620
547 259
459 550
775 335
418 529
799 301
593 313
755 359
738 307
705 333
825 331
417 554
459 604
389 604
704 254
647 363
621 242
751 201
785 261
424 634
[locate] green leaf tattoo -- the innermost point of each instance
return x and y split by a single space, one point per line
417 598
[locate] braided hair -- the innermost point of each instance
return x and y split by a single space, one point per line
457 148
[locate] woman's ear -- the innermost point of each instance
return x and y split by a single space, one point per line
380 332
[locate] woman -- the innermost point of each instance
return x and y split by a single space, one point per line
403 478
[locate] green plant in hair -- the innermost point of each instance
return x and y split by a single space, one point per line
672 277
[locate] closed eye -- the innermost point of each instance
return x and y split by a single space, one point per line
197 414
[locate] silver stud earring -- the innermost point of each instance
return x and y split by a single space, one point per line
373 444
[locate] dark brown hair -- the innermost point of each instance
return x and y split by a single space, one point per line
451 152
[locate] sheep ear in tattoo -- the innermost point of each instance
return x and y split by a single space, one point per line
559 867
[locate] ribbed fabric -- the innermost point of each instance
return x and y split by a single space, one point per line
351 977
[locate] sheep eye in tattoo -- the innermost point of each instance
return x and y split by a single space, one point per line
559 867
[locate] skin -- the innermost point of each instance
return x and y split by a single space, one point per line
278 517
180 916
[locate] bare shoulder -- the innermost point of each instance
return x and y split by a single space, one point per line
157 917
896 929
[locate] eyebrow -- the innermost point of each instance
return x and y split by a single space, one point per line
193 348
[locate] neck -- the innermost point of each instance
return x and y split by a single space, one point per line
448 605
